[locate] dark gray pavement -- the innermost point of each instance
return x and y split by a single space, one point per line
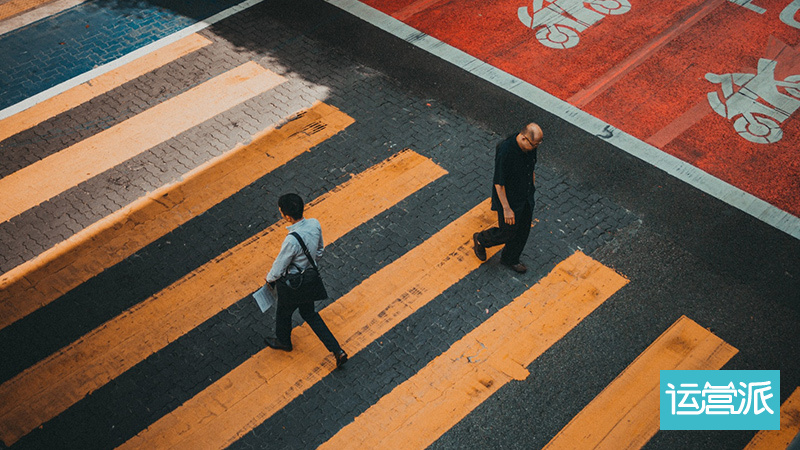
684 253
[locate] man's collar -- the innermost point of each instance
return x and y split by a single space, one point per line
295 225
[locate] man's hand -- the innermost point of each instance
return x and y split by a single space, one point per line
508 215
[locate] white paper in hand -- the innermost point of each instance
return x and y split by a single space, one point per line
265 298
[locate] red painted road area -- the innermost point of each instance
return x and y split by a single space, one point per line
715 83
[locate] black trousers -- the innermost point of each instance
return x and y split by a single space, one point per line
513 236
283 324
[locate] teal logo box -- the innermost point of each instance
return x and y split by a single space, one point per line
720 399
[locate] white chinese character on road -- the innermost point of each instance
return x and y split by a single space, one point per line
559 22
757 102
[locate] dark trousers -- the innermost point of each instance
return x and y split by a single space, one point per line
513 236
283 324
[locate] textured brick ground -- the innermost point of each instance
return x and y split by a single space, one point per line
44 54
568 216
387 120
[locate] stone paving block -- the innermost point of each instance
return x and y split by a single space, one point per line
99 114
168 167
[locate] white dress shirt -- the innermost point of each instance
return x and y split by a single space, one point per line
291 251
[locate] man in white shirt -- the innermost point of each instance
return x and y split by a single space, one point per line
292 259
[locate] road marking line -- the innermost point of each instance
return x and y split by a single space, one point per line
248 395
678 168
790 427
61 171
682 123
54 384
414 8
58 270
94 73
626 413
19 13
425 406
100 85
601 84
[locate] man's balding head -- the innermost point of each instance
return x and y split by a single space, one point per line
530 137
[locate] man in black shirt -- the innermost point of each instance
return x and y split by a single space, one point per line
512 197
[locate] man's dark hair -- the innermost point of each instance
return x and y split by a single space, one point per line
291 205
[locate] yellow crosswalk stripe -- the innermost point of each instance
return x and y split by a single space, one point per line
421 409
54 384
15 14
626 413
82 93
12 8
56 173
38 282
790 427
268 381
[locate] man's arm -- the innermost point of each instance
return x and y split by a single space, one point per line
499 181
508 213
320 246
282 261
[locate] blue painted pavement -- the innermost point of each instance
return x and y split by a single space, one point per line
55 49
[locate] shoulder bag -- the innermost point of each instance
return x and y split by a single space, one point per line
305 286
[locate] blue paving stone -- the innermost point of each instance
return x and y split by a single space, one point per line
58 48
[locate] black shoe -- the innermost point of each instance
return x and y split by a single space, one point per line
518 267
274 343
480 250
341 358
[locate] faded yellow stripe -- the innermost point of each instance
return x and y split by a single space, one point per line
424 407
50 176
268 381
84 92
790 427
58 270
626 413
15 7
51 386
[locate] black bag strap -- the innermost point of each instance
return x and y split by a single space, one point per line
305 249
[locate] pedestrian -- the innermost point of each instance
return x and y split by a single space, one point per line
292 259
512 197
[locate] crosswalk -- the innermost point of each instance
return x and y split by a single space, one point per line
359 317
414 414
421 409
57 382
82 93
627 411
50 176
117 236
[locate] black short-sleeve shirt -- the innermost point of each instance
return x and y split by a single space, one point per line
513 169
